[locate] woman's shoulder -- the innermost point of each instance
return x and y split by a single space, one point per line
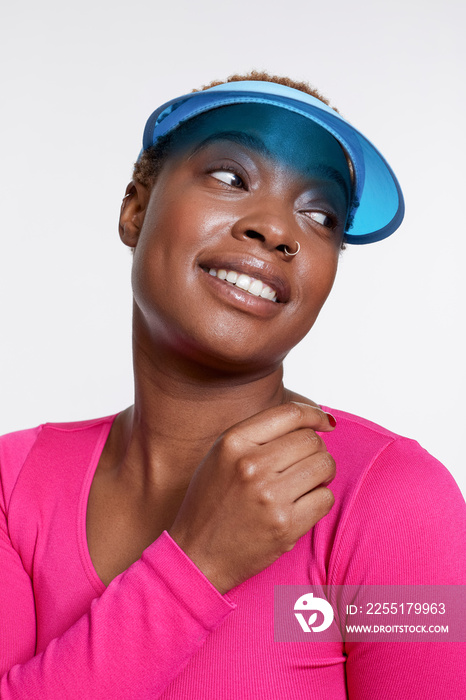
381 473
350 421
15 447
377 444
358 425
366 452
19 442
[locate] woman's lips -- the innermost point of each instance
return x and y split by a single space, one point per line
256 277
239 298
248 284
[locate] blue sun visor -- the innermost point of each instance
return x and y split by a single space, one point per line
378 205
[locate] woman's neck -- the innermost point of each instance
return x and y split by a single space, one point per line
180 409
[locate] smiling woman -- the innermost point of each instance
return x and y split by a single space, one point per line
140 551
243 187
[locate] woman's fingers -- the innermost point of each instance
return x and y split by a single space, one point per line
311 508
306 475
283 452
278 421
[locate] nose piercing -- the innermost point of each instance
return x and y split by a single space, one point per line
286 250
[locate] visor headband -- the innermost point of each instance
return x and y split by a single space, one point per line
378 196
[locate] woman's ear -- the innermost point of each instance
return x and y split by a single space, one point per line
132 212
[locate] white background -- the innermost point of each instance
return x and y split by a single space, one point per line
79 81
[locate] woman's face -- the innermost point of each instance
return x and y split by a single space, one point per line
242 183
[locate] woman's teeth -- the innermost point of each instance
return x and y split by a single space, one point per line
249 284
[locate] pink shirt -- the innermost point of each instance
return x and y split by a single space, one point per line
161 629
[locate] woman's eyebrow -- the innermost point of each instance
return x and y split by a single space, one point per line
255 143
240 137
328 172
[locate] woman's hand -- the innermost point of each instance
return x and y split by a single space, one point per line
259 489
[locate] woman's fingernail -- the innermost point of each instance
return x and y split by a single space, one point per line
331 420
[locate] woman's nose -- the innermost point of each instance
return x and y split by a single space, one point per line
268 224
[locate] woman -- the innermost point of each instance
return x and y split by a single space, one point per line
140 551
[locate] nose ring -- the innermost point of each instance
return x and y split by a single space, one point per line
286 250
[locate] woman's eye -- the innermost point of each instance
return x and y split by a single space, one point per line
321 218
228 177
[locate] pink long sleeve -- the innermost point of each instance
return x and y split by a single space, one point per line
137 636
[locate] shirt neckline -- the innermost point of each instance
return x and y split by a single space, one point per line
94 579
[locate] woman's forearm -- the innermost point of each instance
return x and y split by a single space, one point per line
135 638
